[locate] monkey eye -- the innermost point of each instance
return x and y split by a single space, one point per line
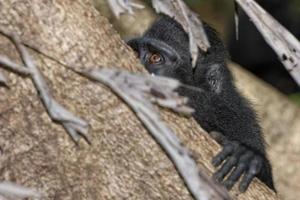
155 58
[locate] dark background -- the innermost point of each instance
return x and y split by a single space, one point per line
251 51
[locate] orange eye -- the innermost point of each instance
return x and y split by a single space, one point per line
155 58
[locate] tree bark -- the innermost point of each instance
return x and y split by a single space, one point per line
123 161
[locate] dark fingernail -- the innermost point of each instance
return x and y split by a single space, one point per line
215 162
242 187
229 184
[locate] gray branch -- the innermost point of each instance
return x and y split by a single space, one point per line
189 21
74 125
12 66
13 191
286 46
137 92
119 7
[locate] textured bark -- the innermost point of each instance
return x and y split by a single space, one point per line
123 162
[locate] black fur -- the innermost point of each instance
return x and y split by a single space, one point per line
219 107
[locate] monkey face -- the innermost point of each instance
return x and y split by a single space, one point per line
164 50
161 59
155 55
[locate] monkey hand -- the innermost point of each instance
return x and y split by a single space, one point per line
235 161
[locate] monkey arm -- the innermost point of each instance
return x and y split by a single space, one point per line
218 106
243 152
244 148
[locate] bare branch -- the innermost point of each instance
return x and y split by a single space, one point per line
190 22
286 46
3 79
119 7
74 125
236 20
135 90
13 191
12 66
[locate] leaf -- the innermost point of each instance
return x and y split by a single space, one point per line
190 22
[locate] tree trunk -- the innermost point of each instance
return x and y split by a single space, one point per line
123 161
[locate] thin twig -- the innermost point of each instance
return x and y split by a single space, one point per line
74 125
13 191
14 67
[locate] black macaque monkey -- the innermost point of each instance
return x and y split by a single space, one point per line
164 50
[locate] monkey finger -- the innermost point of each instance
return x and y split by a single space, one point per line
228 149
219 137
225 169
247 179
223 154
229 164
254 169
239 170
234 176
